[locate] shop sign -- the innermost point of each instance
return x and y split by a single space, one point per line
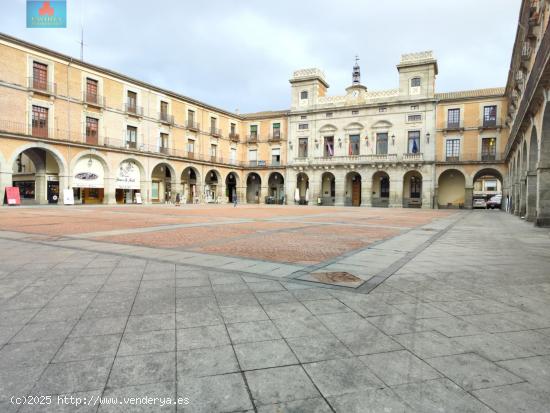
138 198
88 174
12 195
128 176
68 197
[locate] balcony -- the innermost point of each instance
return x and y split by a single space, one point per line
132 109
193 126
130 144
453 126
274 137
166 118
347 159
39 86
215 132
91 138
165 150
234 137
214 158
93 99
476 158
191 155
252 138
413 157
490 124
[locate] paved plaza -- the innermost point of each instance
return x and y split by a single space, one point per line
273 309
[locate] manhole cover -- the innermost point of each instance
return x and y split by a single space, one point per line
336 277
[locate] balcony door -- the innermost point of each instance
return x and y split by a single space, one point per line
40 121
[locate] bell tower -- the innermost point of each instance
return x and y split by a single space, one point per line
356 74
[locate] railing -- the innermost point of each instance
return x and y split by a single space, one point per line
473 157
93 99
133 109
192 125
39 85
49 133
490 124
274 137
539 67
91 139
453 126
253 138
234 137
165 150
215 132
262 164
413 156
166 118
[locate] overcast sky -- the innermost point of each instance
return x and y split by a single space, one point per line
239 54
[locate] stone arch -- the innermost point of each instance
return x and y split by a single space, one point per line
381 189
126 185
191 184
328 188
163 182
213 184
40 172
253 188
276 188
543 173
232 186
91 191
301 193
353 189
412 189
451 189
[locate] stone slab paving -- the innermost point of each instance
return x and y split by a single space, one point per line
460 324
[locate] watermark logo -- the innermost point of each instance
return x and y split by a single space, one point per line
46 14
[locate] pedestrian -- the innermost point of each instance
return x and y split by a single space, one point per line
178 199
235 199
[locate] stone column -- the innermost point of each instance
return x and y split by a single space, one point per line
468 197
40 188
531 196
516 198
522 197
427 194
5 180
340 189
543 197
366 189
396 191
436 194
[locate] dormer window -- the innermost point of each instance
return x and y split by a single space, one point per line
415 82
303 94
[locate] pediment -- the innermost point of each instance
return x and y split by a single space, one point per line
354 126
328 128
382 124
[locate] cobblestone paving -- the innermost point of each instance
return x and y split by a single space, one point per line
462 324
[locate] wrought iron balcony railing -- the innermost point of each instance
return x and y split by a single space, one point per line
166 118
193 126
133 109
93 99
41 86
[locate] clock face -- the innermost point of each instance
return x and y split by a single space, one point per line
355 93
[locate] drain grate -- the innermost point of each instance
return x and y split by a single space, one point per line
335 277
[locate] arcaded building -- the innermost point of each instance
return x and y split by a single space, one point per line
68 126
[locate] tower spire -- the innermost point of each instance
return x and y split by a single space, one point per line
356 74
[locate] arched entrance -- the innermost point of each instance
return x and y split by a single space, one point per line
36 172
412 190
487 184
301 194
89 173
161 183
328 189
532 185
380 189
353 189
451 189
231 185
253 188
212 182
128 182
190 182
276 188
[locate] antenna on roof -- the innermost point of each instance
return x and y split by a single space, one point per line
82 30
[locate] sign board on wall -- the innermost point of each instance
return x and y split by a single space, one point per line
128 176
12 195
68 197
88 173
138 198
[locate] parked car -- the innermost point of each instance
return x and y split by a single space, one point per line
494 202
480 203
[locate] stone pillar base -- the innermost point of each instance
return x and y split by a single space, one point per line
542 221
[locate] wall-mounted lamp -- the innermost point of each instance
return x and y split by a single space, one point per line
316 143
393 139
366 140
340 142
428 137
90 162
